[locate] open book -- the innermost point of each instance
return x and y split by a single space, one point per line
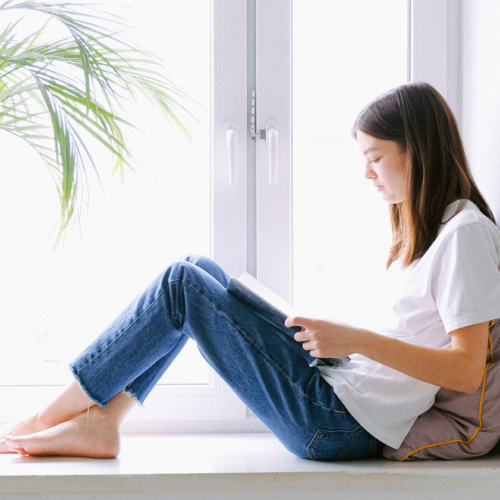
272 308
258 296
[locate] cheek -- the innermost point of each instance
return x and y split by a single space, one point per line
402 172
394 171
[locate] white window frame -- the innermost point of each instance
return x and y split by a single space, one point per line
252 218
209 403
435 48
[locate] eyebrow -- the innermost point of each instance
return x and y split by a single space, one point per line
370 149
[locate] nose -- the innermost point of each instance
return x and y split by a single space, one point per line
369 172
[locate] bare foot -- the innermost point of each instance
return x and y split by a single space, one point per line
74 438
18 428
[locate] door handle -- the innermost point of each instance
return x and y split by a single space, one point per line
232 147
272 144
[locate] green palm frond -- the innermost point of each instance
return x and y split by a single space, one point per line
48 109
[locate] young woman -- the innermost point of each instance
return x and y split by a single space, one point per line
445 245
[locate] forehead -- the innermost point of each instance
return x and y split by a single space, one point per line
369 143
370 149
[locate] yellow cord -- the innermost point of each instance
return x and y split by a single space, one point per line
480 407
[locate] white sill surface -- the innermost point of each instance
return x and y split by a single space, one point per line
149 465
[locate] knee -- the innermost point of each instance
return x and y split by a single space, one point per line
198 260
199 263
192 268
180 269
208 265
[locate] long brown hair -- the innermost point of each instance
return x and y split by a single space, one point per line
417 117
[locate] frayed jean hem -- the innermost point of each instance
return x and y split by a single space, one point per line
84 389
131 394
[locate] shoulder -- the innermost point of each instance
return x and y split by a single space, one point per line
464 238
466 251
465 223
464 230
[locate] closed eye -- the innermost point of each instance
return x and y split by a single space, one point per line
375 161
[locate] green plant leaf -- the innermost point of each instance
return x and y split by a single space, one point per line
43 106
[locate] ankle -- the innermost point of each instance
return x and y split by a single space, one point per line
40 422
44 420
105 416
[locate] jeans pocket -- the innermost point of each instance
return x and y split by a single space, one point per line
336 444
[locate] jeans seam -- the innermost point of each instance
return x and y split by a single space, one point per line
321 433
353 441
123 333
257 347
310 445
373 445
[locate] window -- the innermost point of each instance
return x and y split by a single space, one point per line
291 226
341 227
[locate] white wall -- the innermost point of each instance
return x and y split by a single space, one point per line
480 124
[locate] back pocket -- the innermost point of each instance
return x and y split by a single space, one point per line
337 444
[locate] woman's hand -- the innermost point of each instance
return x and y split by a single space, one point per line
324 338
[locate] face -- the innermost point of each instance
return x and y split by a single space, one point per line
385 166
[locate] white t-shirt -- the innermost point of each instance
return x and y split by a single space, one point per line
455 284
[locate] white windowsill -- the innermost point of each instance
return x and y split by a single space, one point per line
207 465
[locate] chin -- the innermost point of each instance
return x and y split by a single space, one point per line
392 200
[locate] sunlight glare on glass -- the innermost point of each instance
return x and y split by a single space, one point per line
53 304
344 55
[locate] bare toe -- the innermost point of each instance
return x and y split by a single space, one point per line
21 451
17 428
4 447
74 438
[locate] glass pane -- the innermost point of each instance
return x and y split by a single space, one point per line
344 55
52 304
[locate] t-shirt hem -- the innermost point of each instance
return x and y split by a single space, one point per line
472 319
367 423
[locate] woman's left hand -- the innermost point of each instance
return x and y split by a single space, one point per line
324 338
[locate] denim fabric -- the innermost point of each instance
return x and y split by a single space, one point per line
260 361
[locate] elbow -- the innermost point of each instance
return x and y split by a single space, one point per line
471 386
467 385
469 390
469 379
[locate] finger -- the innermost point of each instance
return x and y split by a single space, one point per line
308 346
297 321
300 336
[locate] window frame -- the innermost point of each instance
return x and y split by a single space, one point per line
252 219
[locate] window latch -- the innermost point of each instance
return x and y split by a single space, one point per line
261 134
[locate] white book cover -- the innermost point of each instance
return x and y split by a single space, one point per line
273 307
265 293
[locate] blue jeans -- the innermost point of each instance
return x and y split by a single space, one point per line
263 364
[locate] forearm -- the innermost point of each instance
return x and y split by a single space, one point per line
442 367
